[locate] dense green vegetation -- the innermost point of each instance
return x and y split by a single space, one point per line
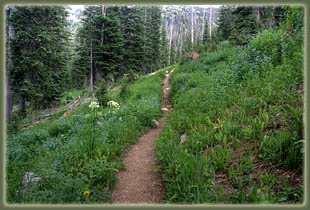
239 106
109 42
38 46
81 152
242 111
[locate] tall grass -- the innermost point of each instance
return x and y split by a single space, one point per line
63 153
236 105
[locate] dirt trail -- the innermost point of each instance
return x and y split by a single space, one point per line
139 183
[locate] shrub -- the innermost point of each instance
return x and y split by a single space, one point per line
101 93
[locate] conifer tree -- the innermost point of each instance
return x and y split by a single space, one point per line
206 34
147 40
133 40
173 54
155 37
112 49
245 24
225 22
39 54
164 47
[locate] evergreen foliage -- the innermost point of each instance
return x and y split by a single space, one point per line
101 93
39 53
225 22
155 37
245 24
164 47
240 104
239 24
133 39
126 40
206 35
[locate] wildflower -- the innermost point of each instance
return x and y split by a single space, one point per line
113 104
93 105
86 192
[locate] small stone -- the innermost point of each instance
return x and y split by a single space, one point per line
30 179
156 123
183 138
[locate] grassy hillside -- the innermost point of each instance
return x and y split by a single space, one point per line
242 112
77 157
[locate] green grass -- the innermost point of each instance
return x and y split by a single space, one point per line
240 110
61 151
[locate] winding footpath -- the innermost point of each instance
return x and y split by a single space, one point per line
139 183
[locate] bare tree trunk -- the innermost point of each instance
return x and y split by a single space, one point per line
210 23
203 23
170 41
257 11
9 102
144 39
181 45
192 31
99 71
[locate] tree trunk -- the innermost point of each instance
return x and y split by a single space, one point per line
257 13
144 39
203 24
210 23
192 29
170 41
91 80
9 102
99 72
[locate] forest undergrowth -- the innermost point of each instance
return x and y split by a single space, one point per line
236 135
77 157
242 112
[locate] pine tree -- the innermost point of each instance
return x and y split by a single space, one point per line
164 47
133 40
155 37
206 34
39 54
225 22
147 39
112 50
173 58
245 24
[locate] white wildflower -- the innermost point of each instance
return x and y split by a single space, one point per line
113 104
93 105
